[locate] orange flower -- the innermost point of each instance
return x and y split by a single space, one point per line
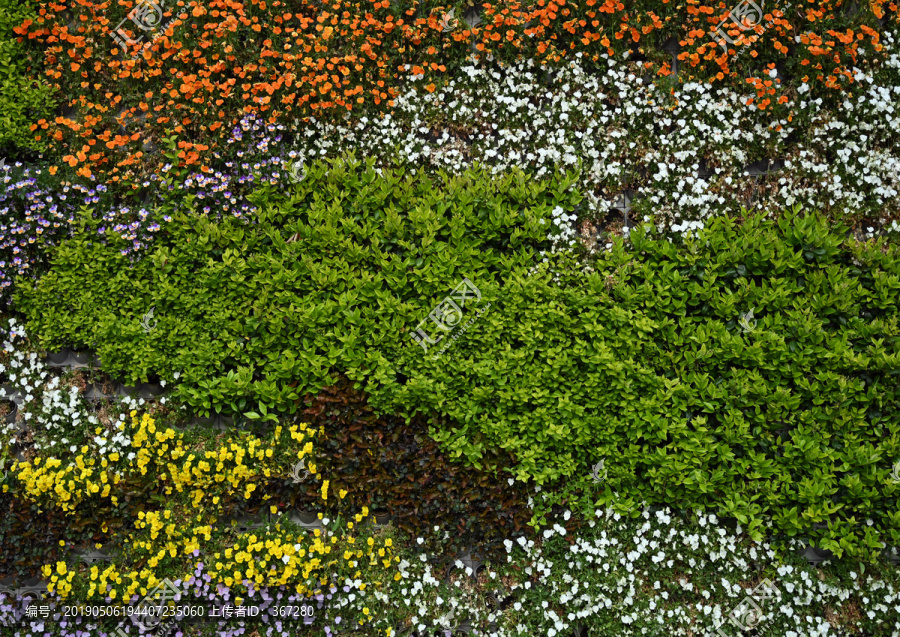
876 8
300 65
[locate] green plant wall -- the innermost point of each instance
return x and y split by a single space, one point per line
652 363
25 96
753 369
251 315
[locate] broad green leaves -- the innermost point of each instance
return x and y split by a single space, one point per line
647 359
645 363
334 274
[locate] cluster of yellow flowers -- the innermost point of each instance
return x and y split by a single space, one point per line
69 484
63 581
166 542
168 455
276 559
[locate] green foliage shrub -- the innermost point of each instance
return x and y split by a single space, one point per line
651 363
328 277
24 95
648 359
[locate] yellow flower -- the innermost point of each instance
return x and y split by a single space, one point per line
342 493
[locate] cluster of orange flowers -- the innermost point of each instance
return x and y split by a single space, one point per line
211 61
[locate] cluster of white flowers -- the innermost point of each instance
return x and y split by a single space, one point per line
685 573
648 140
57 419
563 227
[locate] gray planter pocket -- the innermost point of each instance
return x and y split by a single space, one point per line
816 556
306 519
152 390
59 358
12 410
81 358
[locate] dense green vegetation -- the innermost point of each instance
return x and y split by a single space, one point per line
334 274
24 95
753 369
